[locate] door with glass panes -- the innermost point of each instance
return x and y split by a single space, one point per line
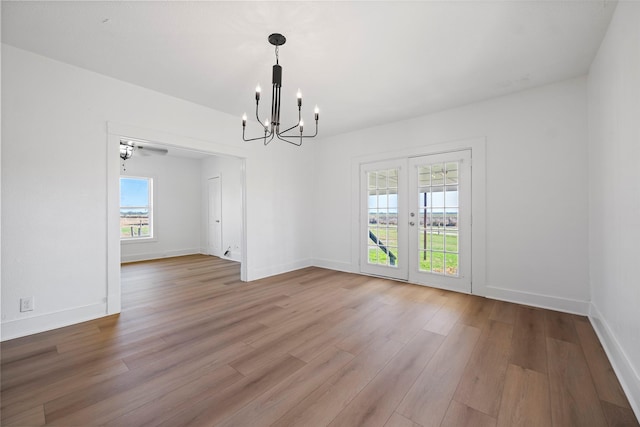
416 220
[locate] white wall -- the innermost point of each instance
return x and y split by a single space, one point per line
55 144
614 195
278 224
229 169
176 207
536 192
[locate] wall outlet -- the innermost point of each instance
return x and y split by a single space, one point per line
26 304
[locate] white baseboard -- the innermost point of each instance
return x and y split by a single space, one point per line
538 300
333 265
158 255
260 273
623 367
35 324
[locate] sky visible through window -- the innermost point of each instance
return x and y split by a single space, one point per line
134 192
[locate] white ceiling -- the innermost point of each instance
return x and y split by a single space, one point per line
363 63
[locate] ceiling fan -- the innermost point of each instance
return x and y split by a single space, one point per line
128 147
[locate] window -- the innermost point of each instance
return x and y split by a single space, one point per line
136 213
438 211
383 217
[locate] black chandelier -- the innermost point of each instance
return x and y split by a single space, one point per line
272 128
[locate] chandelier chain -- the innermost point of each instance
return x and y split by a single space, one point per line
277 56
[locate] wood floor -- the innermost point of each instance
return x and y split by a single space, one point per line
195 346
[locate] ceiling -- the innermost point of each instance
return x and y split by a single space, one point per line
362 63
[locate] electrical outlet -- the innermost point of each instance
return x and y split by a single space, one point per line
26 304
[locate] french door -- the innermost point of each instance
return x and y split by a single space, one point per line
416 220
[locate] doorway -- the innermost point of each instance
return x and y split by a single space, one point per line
416 219
115 133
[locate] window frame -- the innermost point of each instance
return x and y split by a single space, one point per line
151 198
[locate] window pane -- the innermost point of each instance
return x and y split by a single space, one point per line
393 178
451 197
437 194
382 180
452 173
451 240
134 222
134 192
451 261
424 239
392 235
437 174
425 261
424 176
437 262
437 241
372 180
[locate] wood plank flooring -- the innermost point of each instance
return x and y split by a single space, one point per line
195 346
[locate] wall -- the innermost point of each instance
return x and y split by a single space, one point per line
176 206
229 169
614 195
54 161
536 193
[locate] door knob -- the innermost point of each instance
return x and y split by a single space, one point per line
412 223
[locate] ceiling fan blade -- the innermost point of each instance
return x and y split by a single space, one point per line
154 150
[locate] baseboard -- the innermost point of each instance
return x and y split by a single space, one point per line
333 265
260 273
538 300
625 371
46 322
158 255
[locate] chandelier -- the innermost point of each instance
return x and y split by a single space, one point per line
271 127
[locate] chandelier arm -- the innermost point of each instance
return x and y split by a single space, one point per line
270 139
258 118
253 139
303 136
270 134
287 130
294 126
290 142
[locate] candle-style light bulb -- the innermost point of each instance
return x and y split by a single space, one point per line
258 90
301 125
299 96
244 119
266 124
316 111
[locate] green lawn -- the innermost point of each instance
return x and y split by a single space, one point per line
439 254
125 231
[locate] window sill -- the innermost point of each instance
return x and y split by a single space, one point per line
138 240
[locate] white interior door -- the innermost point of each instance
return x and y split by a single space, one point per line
214 223
440 220
415 216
